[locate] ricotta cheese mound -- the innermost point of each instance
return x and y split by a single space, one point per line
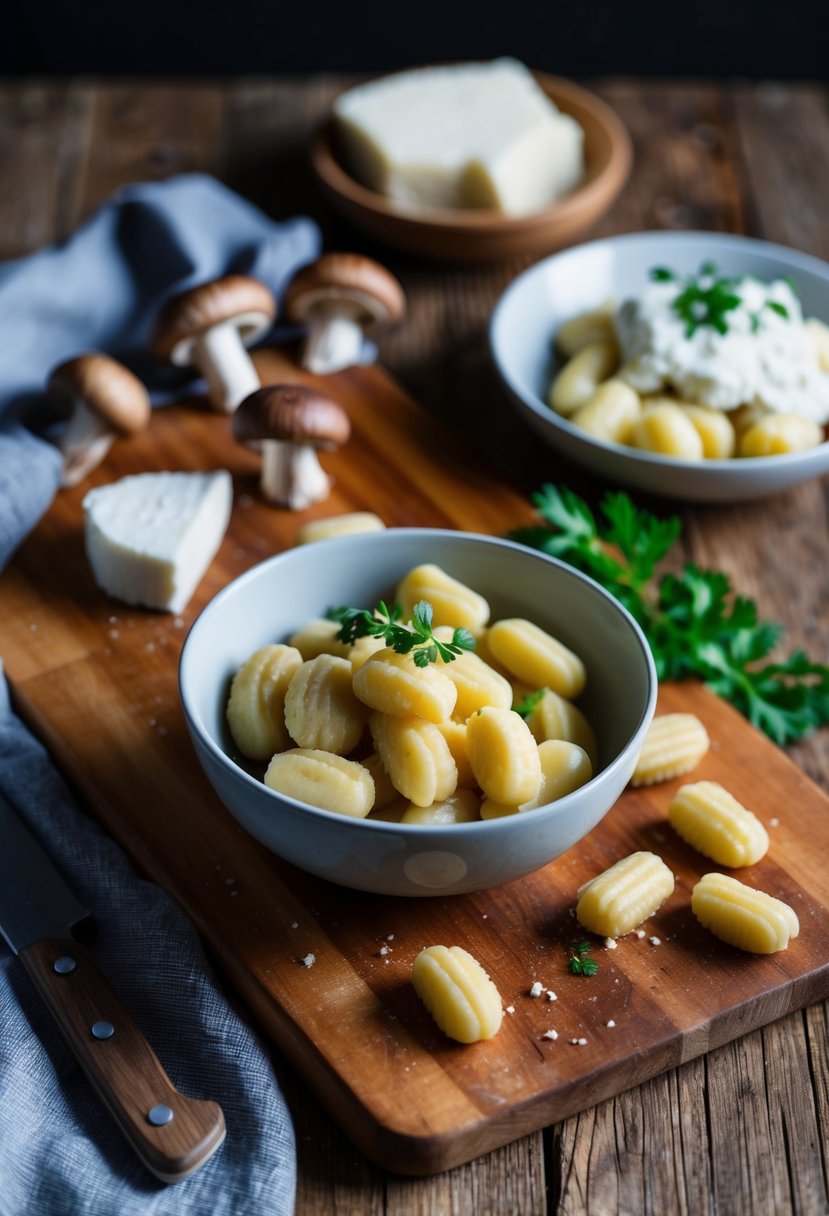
150 537
765 359
477 135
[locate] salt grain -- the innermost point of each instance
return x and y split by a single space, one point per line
537 989
309 960
610 943
551 996
655 941
611 1023
550 1034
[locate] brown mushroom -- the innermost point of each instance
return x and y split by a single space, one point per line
104 400
340 297
290 423
210 327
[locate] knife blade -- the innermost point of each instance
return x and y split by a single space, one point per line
172 1135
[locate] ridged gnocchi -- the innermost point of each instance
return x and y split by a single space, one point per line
321 710
458 993
742 916
621 897
256 708
393 684
322 779
711 819
674 744
453 603
416 756
564 768
536 657
347 524
503 755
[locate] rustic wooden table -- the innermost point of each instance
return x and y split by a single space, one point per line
744 1128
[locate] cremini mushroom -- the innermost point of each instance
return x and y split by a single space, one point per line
210 327
290 423
104 400
339 298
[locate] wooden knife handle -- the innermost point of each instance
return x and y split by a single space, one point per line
171 1134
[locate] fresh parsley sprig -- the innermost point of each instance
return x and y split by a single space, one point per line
580 962
416 637
707 298
527 704
694 622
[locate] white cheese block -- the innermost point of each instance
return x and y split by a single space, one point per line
465 135
151 537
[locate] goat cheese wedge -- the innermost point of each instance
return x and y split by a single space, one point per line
478 135
150 537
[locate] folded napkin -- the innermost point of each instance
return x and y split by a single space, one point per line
60 1152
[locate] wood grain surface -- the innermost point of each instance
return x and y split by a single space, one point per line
741 1128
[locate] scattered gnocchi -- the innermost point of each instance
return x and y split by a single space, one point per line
674 744
458 993
411 741
743 917
717 825
619 899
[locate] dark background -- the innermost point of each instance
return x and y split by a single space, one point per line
729 38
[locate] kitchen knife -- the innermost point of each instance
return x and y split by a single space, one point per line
171 1134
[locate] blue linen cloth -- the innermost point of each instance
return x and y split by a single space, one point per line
60 1152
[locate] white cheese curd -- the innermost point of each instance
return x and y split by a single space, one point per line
150 537
465 135
764 359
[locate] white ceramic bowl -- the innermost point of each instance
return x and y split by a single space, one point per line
549 293
272 600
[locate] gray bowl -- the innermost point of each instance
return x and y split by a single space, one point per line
535 304
271 601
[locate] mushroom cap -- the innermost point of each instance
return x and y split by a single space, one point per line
292 414
105 387
374 294
185 317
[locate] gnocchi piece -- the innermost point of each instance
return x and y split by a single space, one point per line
612 414
713 822
578 380
777 434
503 755
554 717
363 649
416 756
453 603
461 807
458 993
455 735
581 330
620 898
667 430
321 710
742 916
319 636
384 791
715 429
745 416
818 335
392 813
564 768
322 779
332 526
536 657
393 684
256 707
476 683
674 744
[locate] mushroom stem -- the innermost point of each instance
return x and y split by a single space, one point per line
85 441
292 476
223 360
334 341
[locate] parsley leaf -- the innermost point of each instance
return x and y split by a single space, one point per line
696 625
580 962
416 638
525 707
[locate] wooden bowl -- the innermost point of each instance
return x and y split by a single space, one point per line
483 235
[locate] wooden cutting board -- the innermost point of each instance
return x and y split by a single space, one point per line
97 681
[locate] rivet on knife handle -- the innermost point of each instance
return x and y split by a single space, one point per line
173 1135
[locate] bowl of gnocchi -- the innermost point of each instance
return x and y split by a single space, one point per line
415 711
691 365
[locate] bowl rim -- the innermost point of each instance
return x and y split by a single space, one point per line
448 831
711 468
482 221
